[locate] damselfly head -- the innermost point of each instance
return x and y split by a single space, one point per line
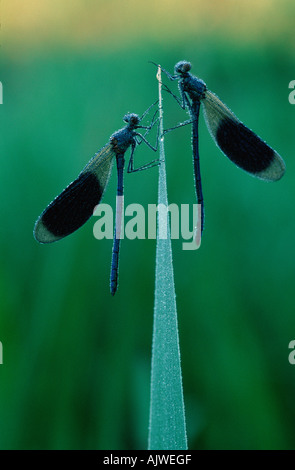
132 119
182 67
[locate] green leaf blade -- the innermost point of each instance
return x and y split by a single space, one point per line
167 429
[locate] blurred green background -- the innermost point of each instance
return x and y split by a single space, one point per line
76 362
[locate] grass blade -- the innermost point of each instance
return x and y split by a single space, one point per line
167 429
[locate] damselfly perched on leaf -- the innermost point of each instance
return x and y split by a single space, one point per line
73 207
237 142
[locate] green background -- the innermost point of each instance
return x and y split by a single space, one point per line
76 362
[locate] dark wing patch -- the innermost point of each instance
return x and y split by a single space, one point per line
75 205
241 145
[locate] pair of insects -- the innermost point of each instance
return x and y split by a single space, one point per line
73 207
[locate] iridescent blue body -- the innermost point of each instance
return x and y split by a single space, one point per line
241 145
76 203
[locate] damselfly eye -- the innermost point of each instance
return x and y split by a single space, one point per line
132 118
182 67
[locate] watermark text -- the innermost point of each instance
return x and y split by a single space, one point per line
292 94
132 222
291 357
153 459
